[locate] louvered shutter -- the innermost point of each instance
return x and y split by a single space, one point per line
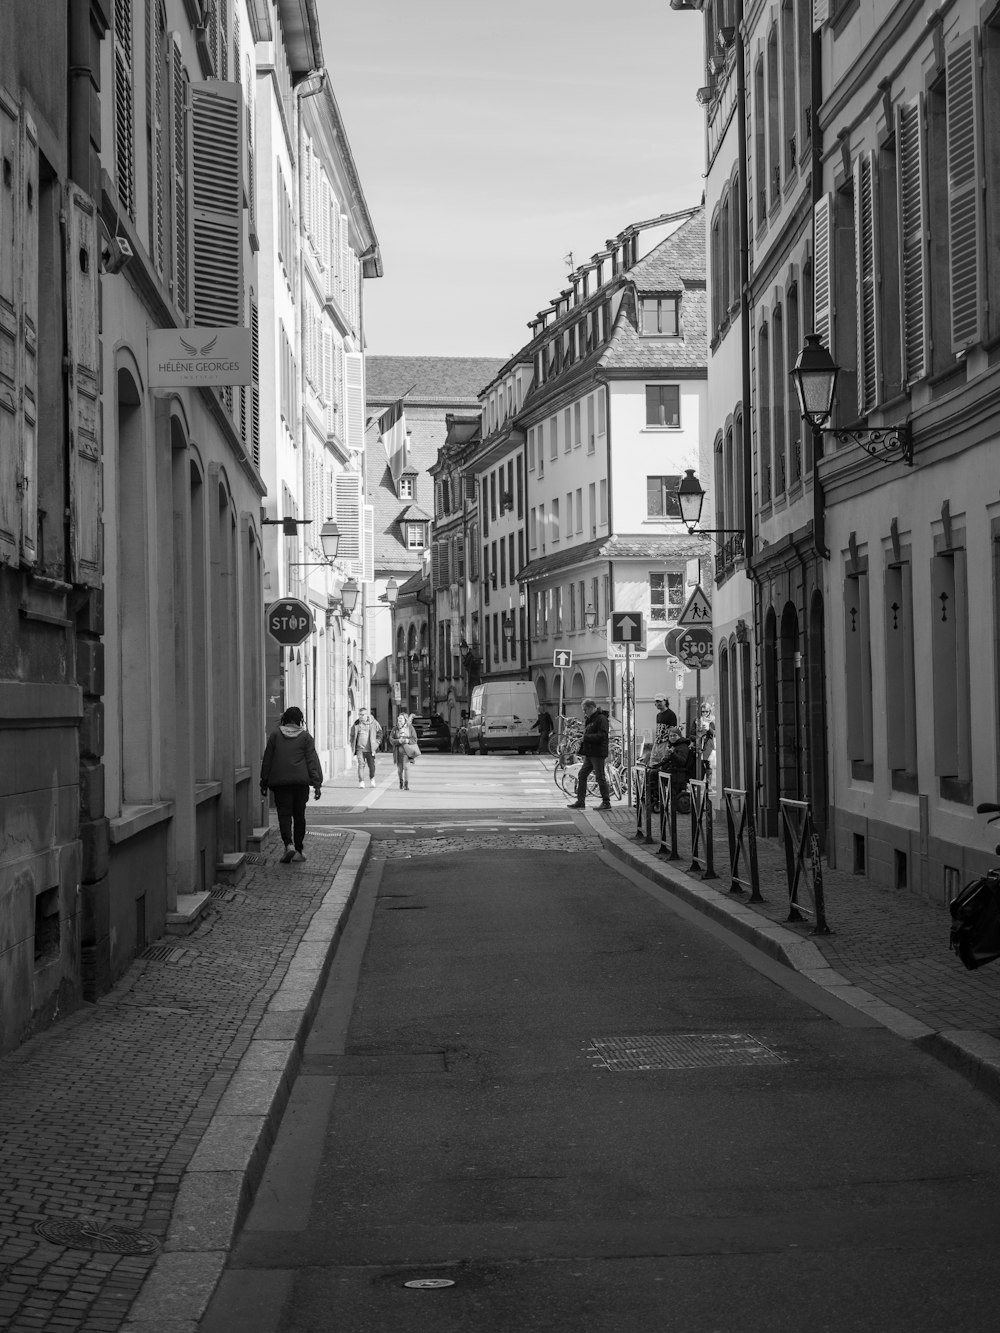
124 107
349 518
83 384
369 513
251 167
156 114
913 228
866 232
460 557
444 564
344 251
965 183
217 202
179 175
823 268
27 421
470 487
10 495
354 387
254 382
436 564
307 187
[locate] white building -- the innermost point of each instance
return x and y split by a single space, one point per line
317 245
615 416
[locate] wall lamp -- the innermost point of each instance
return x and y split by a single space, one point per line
690 498
590 620
391 593
329 536
507 622
815 375
348 598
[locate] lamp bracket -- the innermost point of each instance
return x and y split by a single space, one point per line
885 444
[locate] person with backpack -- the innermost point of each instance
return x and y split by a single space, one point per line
289 767
680 762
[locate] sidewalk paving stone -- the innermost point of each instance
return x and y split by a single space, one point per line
147 1115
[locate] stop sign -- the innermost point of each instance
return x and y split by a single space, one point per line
693 645
289 621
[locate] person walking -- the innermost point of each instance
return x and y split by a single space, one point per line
543 725
707 753
365 738
403 739
289 767
594 748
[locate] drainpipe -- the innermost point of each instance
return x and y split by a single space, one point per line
752 739
816 182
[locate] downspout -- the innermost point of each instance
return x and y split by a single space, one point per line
309 86
816 182
751 775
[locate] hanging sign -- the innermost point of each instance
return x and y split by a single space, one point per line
181 358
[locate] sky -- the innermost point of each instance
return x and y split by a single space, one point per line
493 139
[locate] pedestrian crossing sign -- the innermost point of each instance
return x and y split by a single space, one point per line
697 610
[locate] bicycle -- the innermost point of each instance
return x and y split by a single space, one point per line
567 772
975 911
568 736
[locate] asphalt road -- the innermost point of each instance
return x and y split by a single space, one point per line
540 1081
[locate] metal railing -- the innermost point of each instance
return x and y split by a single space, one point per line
803 865
742 843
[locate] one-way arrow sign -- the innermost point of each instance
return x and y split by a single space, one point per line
626 627
697 610
562 658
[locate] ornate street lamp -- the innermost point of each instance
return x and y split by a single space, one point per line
815 374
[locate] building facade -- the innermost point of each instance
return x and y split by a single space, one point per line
614 418
432 389
317 247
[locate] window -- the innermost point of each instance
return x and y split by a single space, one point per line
900 693
950 657
661 497
554 438
666 595
531 449
602 413
579 509
415 536
663 405
604 502
406 488
555 520
590 424
858 669
572 606
661 316
592 497
567 431
541 448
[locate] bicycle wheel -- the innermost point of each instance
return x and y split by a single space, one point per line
570 773
614 775
553 744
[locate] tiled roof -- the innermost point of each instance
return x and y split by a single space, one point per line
451 381
677 264
678 259
615 548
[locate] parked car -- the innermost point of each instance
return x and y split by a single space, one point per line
432 733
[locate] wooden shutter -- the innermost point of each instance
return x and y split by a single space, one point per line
156 116
179 176
823 269
866 231
345 281
354 377
217 202
84 389
349 518
912 211
460 557
254 382
124 107
10 217
27 372
965 184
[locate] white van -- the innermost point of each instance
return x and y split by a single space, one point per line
501 716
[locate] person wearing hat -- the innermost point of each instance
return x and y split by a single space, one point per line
665 715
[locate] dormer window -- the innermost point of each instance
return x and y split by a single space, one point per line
406 488
416 536
661 316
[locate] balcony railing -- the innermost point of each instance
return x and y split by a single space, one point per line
728 553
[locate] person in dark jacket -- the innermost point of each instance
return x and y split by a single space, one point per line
679 763
543 725
289 767
594 748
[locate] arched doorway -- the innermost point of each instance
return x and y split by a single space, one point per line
816 757
769 725
790 712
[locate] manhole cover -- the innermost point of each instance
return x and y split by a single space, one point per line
695 1050
103 1236
164 953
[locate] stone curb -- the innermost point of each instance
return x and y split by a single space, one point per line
222 1178
975 1055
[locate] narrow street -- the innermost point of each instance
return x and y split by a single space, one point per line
537 1079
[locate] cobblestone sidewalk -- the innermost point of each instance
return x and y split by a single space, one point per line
892 943
100 1116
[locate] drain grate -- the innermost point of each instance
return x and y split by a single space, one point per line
693 1050
103 1236
163 953
254 859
